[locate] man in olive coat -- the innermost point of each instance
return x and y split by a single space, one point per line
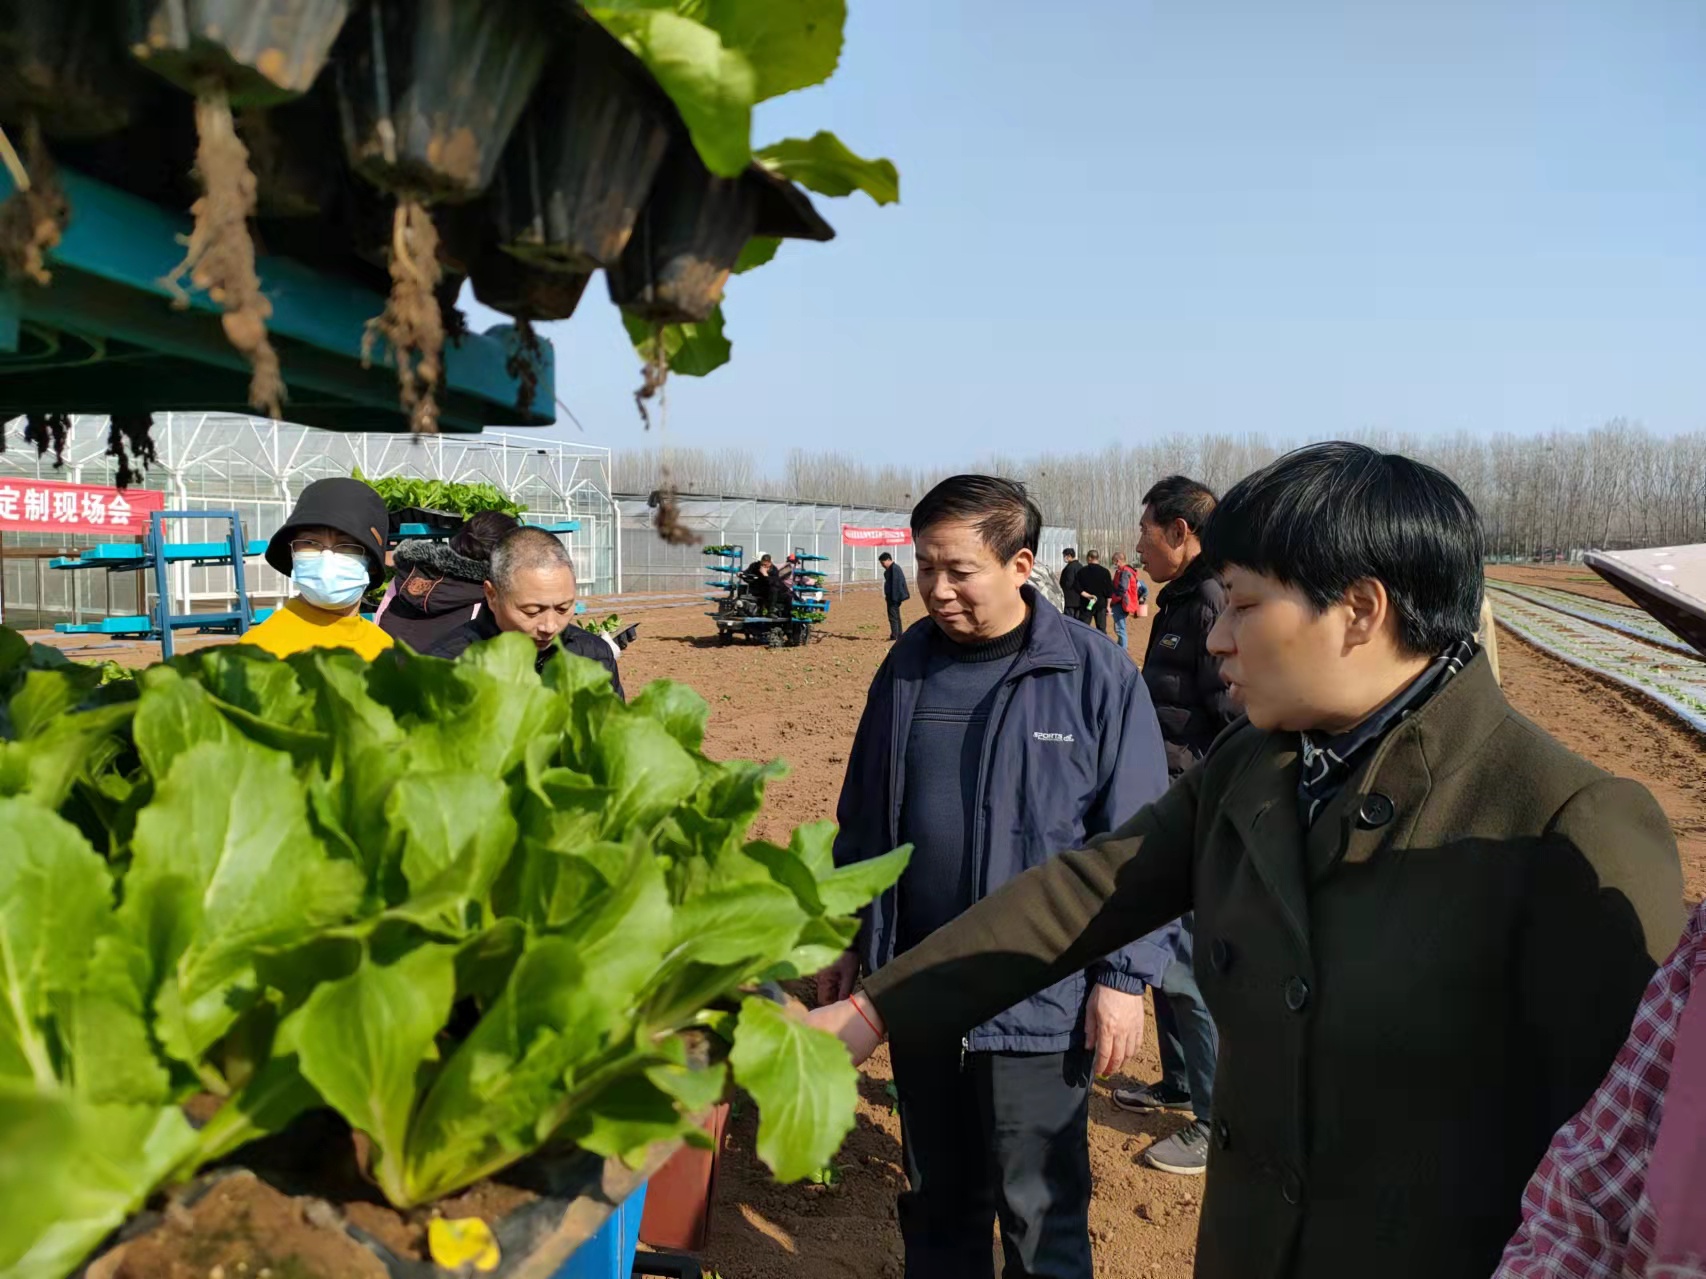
1423 925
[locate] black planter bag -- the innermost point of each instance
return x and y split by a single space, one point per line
575 176
259 51
430 90
524 291
692 230
65 62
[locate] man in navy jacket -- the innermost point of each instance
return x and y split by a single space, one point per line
994 735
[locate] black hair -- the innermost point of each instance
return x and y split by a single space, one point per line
1069 552
476 539
885 556
1326 516
1178 497
1093 556
1003 513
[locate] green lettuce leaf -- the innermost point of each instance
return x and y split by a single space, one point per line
224 864
72 1172
803 1082
55 899
362 1042
692 350
712 85
824 164
792 45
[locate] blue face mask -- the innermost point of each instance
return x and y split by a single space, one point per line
330 579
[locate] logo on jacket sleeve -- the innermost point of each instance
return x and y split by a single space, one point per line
1053 737
1169 641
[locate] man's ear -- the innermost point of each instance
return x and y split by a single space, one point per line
1177 531
1369 610
1026 562
491 595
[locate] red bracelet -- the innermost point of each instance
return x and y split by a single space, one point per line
873 1025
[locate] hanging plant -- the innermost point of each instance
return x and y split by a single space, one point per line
412 323
429 93
48 431
220 256
130 440
33 217
247 53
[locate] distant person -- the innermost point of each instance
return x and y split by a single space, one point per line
1194 707
531 589
332 548
1423 924
437 586
987 733
1072 602
894 592
1130 592
1095 589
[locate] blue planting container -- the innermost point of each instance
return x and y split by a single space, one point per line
610 1253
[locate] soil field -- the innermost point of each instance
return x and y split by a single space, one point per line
804 704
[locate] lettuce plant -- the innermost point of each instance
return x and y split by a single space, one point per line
478 913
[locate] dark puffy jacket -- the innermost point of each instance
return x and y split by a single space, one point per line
1071 750
1184 681
437 590
572 639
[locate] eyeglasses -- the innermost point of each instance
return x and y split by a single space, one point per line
308 549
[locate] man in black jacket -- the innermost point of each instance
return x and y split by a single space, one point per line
894 592
1095 589
531 588
1072 603
1193 705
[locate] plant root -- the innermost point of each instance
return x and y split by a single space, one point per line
412 323
33 217
130 439
667 519
48 430
220 257
523 365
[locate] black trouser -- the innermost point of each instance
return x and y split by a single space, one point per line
894 620
1099 615
1005 1137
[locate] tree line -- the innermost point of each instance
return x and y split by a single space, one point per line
1616 486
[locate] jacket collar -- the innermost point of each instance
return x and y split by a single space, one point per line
1261 801
437 557
1048 643
1187 583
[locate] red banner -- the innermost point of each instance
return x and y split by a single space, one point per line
875 536
43 506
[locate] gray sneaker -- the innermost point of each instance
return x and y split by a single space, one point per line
1185 1153
1149 1097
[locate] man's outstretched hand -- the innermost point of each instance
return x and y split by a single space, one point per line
853 1026
1113 1027
836 982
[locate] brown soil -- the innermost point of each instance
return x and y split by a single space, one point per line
1575 578
243 1229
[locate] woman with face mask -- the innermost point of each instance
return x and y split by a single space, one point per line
333 550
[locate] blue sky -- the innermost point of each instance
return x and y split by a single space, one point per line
1301 217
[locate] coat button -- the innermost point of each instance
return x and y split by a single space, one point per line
1296 994
1222 1134
1375 812
1219 955
1292 1189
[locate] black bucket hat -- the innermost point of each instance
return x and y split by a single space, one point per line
340 503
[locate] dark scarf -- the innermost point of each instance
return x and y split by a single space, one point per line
1329 761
